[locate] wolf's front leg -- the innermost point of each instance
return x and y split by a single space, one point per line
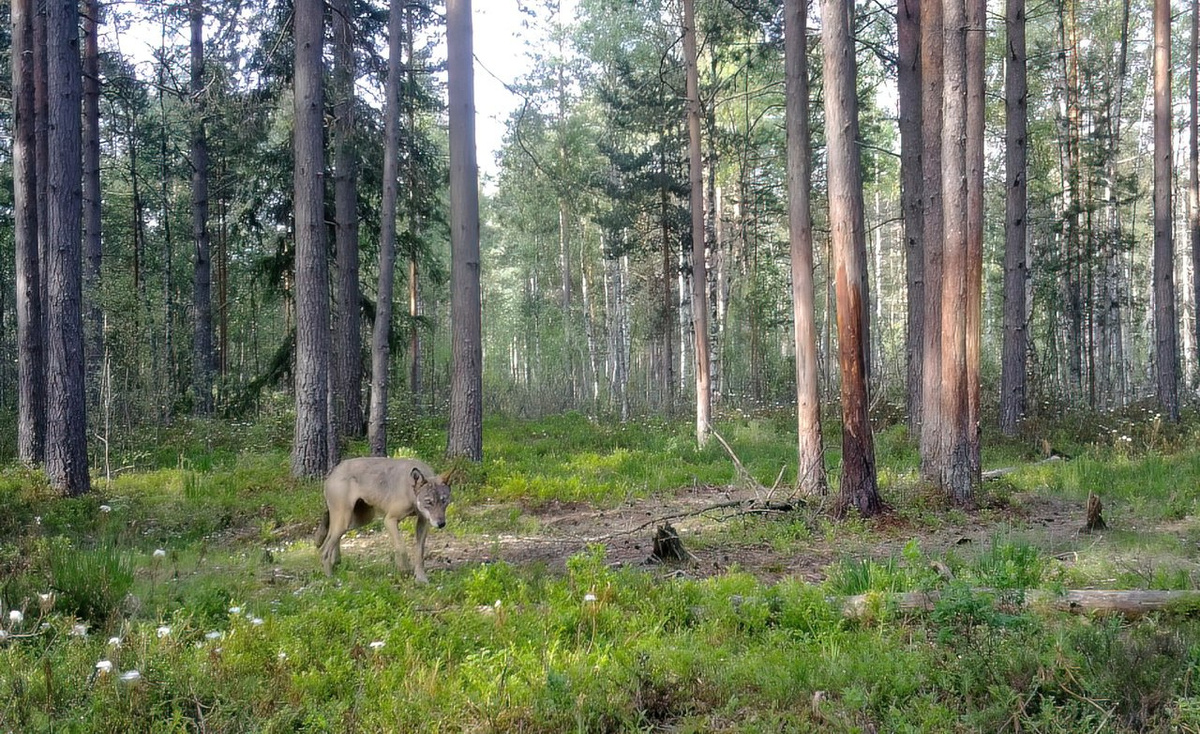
393 527
422 531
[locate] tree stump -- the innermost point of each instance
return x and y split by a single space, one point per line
668 548
1094 520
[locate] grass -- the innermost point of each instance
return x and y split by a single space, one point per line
232 627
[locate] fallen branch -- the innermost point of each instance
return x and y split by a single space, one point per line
1130 604
737 508
997 473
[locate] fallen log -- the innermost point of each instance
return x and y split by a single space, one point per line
1130 604
991 474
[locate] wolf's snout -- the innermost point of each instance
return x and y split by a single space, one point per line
441 524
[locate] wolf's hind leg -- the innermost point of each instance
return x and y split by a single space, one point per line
422 531
393 527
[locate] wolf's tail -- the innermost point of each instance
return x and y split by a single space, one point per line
322 529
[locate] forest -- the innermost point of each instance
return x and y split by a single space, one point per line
793 366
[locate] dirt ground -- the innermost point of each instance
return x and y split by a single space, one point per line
720 536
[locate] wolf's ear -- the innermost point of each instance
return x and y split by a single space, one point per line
417 477
442 479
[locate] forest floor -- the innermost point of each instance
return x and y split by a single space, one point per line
194 566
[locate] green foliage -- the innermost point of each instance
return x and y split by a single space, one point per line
90 583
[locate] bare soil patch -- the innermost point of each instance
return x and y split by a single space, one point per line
720 537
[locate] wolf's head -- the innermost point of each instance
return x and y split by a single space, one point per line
433 494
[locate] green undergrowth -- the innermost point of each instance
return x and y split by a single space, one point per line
193 567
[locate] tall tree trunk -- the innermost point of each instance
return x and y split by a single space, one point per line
859 489
1073 196
1165 336
810 467
1015 350
31 372
310 451
668 297
465 434
41 125
954 475
94 333
975 49
203 363
1194 167
414 296
699 262
66 425
931 200
346 362
909 84
380 357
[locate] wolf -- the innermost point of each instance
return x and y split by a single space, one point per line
357 489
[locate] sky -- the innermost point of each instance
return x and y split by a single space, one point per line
501 58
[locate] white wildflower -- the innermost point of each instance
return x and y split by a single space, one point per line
131 676
105 509
104 666
589 597
214 635
16 617
114 642
256 621
497 604
282 656
79 630
160 553
376 645
235 610
164 631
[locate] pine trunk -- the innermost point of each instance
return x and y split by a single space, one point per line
66 425
465 433
346 359
810 468
976 42
931 201
699 263
94 332
380 348
954 470
203 363
908 73
310 452
858 484
1165 335
31 373
1016 272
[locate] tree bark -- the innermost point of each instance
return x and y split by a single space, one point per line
414 295
975 58
858 484
699 262
909 85
1015 351
1194 168
310 452
380 348
66 425
31 373
465 434
1165 336
931 201
94 335
954 470
346 362
810 467
203 362
41 117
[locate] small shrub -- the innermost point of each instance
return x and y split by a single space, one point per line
91 584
